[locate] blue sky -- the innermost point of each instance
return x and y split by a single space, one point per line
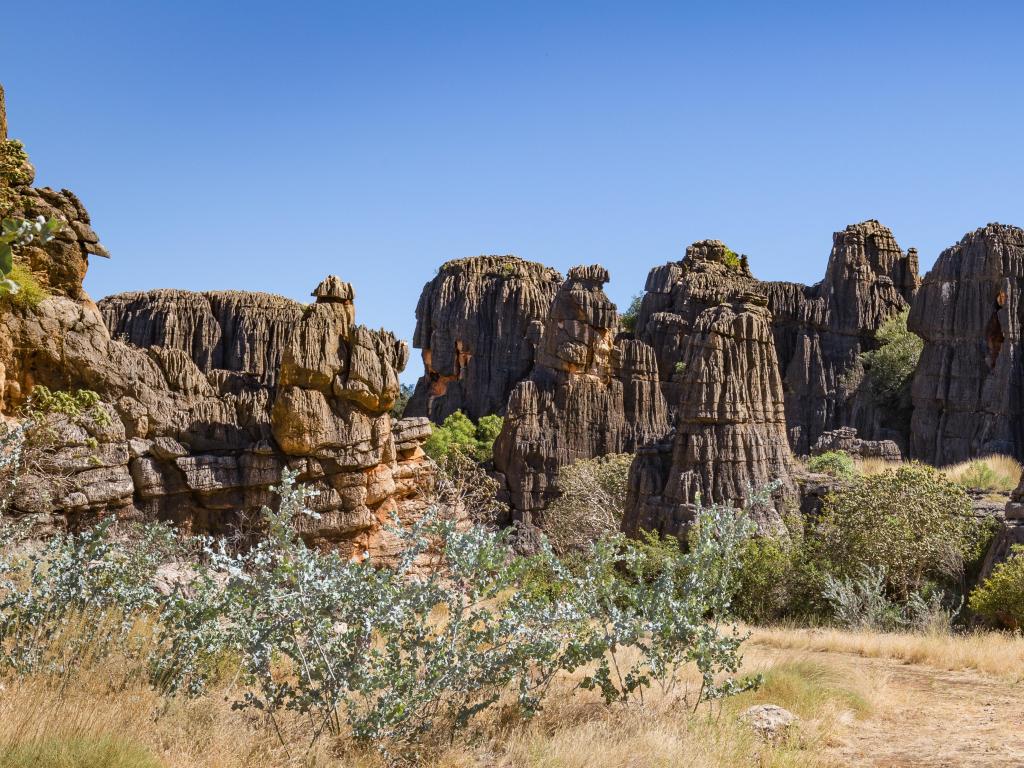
262 145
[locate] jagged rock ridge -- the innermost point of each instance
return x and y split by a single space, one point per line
225 392
589 395
479 323
820 330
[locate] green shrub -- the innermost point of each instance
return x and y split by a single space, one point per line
910 521
30 293
459 433
889 368
835 463
1000 598
628 318
731 259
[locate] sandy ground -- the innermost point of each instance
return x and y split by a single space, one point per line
926 717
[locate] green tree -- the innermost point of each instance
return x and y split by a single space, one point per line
459 433
628 318
889 369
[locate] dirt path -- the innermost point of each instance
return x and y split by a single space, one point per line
927 717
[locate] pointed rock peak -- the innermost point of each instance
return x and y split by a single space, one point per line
717 252
334 290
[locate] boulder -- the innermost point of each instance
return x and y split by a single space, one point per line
845 439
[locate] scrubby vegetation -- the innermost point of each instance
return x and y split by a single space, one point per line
1000 598
890 368
592 502
995 474
459 434
15 234
835 463
404 394
389 659
888 551
627 320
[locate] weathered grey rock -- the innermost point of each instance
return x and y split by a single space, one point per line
479 323
845 439
210 398
820 330
729 435
226 330
588 396
770 721
967 386
1009 532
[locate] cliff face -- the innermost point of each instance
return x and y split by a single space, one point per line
225 330
211 397
479 323
968 384
588 396
730 425
819 331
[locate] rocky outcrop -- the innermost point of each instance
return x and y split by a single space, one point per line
729 435
820 330
215 397
845 439
968 383
479 323
1009 533
220 330
589 395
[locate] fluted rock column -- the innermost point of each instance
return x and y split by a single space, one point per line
730 426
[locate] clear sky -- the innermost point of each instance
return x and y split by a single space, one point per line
262 145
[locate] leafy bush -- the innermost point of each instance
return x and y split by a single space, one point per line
890 368
911 521
459 433
1000 598
835 463
591 504
628 318
731 259
861 602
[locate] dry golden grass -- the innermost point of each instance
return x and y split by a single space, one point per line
874 466
992 653
997 473
107 718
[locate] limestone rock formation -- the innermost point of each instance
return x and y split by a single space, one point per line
729 435
589 395
845 439
1009 533
208 400
479 323
820 330
220 330
968 384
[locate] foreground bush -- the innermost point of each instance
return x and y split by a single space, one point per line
382 656
1000 599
